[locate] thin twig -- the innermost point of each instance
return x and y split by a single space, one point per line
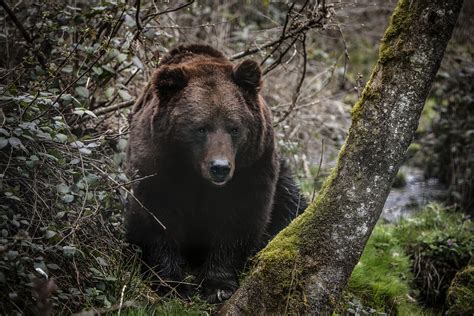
121 185
114 107
154 15
319 170
298 87
281 36
346 55
132 195
280 58
310 23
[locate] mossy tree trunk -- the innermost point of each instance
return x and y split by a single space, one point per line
306 266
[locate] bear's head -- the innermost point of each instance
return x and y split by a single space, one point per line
210 115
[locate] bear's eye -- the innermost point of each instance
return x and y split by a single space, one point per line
234 131
202 130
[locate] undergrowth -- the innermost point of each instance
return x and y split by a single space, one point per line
407 268
61 216
381 279
440 242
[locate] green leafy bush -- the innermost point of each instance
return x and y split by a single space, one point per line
440 243
61 215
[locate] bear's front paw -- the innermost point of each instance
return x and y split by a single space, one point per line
217 291
214 296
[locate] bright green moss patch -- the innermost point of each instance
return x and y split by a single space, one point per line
282 247
399 21
381 278
390 47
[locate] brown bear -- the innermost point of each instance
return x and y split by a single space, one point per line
202 151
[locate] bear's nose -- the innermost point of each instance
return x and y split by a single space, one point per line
220 169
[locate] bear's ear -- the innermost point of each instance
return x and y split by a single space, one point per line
248 75
167 80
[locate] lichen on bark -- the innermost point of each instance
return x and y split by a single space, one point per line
306 266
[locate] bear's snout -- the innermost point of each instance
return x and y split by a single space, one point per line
219 171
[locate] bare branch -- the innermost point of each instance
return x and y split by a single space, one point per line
298 87
154 15
137 16
313 22
114 107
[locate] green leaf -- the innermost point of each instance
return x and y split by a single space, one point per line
53 266
67 69
63 188
50 234
109 93
12 196
85 151
101 261
121 144
68 198
90 113
82 92
69 251
79 112
4 132
137 62
121 57
14 141
61 137
124 95
48 156
97 70
3 142
108 68
91 178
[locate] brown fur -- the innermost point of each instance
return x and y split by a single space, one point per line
197 110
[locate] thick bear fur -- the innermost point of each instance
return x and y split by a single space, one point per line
200 110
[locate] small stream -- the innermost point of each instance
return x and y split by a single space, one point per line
412 197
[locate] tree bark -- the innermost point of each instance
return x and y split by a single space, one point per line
306 266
